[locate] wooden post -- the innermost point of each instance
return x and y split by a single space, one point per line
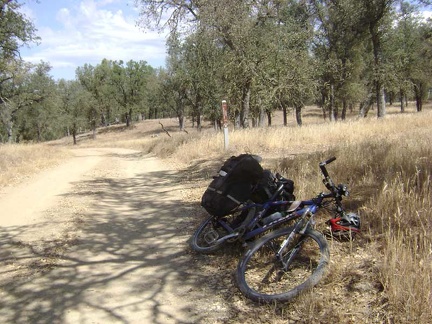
225 123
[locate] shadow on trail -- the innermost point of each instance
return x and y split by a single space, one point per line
126 258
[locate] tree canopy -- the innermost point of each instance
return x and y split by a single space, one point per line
260 56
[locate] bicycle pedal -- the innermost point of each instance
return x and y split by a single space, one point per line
211 236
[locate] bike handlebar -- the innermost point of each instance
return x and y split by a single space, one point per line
330 160
323 164
327 180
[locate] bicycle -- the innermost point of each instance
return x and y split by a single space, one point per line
284 263
245 223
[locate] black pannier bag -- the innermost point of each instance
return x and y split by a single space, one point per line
233 184
267 186
288 193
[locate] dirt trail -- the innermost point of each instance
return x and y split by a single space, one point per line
100 239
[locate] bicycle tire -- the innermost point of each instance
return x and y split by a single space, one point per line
198 241
277 285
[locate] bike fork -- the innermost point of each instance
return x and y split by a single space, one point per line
292 253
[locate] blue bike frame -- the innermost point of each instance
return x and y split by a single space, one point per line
312 206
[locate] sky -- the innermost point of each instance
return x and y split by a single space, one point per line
78 32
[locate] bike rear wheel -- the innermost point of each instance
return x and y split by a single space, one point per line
262 277
205 238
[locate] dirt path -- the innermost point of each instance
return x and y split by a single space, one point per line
100 239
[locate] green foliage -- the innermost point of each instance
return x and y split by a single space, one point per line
117 88
260 56
37 119
129 83
29 103
75 101
16 30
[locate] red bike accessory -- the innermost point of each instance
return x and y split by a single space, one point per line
345 226
336 226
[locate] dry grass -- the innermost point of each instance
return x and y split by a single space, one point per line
384 276
18 162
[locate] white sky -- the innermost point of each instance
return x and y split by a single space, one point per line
427 14
76 32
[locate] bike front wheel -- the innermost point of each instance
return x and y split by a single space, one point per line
263 276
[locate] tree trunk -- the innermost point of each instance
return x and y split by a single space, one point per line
366 104
104 120
9 126
382 98
237 119
127 120
298 112
74 135
402 100
198 121
418 91
246 104
261 116
129 117
419 104
332 112
324 103
344 109
379 87
324 111
364 109
93 123
181 121
284 113
269 118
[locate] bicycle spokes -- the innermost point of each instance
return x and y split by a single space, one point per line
271 274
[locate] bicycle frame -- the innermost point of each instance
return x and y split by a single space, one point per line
306 206
251 227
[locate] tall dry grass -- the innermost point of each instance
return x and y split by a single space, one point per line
391 182
280 142
19 161
403 210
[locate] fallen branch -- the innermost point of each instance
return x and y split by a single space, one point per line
164 129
